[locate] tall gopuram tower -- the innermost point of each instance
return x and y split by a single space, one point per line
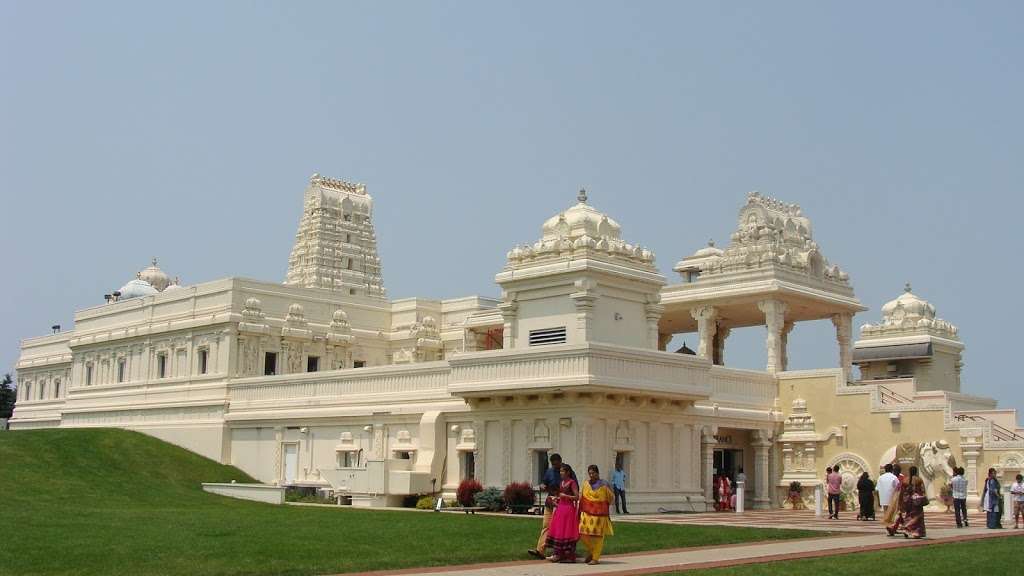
335 246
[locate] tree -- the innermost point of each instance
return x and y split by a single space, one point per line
7 396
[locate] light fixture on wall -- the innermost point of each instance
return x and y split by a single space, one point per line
304 430
455 428
368 428
618 316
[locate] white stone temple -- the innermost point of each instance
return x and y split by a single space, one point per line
321 381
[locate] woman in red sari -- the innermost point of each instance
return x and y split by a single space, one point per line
564 530
724 493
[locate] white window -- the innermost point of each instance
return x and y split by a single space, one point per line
204 356
121 365
56 388
161 365
88 374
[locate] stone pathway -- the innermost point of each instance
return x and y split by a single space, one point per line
800 519
715 556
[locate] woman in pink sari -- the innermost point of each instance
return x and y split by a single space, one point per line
564 530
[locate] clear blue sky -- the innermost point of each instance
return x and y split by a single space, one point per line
187 131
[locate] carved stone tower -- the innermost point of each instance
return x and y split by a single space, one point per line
336 247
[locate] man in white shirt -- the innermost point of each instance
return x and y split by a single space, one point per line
1017 495
887 486
958 485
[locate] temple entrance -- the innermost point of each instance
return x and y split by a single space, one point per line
728 462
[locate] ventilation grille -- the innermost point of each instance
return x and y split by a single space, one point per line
547 336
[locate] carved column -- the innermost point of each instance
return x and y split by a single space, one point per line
787 327
663 340
774 318
653 311
971 454
707 449
762 479
706 328
508 311
584 299
721 333
844 335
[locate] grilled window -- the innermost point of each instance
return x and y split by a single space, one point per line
547 336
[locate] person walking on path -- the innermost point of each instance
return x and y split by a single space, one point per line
1017 496
958 485
914 502
991 501
551 481
595 522
887 485
894 517
834 480
564 531
619 488
866 497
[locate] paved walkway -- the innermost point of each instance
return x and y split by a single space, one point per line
716 556
798 519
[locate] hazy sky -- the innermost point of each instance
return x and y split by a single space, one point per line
188 131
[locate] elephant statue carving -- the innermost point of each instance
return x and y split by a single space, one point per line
937 463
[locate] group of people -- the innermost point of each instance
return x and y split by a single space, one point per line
725 491
904 497
575 512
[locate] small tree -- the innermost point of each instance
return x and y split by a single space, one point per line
7 396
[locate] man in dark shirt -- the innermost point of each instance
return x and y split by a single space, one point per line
549 484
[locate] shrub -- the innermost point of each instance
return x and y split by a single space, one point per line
518 494
306 495
491 499
425 503
467 491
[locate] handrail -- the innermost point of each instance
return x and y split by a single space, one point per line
998 432
887 395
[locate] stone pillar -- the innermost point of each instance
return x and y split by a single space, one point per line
721 333
787 327
844 336
653 311
762 479
707 448
774 319
508 311
971 454
584 299
706 327
663 340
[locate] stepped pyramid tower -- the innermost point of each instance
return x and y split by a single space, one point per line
336 247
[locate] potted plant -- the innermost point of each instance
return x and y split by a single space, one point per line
466 493
796 496
946 495
518 497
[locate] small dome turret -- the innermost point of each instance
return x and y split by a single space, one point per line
155 276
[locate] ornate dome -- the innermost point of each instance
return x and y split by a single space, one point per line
155 277
580 220
137 288
907 306
708 251
909 314
581 230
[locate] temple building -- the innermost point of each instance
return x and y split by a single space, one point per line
321 381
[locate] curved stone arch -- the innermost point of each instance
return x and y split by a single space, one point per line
1011 460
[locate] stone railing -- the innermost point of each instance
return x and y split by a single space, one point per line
749 387
571 365
382 380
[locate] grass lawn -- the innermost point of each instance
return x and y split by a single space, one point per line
99 501
991 557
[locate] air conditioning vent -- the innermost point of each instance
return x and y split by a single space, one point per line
547 336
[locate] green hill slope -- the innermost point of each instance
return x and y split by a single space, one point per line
92 502
100 468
